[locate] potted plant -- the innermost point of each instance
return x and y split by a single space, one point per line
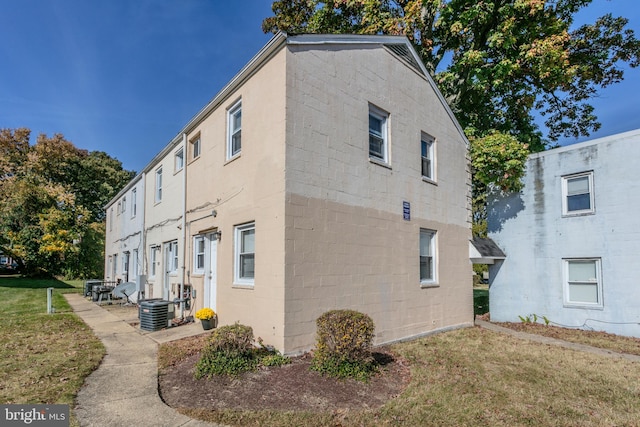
208 318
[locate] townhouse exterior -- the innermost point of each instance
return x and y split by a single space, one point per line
124 247
329 173
571 238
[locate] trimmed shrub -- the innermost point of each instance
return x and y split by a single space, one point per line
231 351
343 345
232 340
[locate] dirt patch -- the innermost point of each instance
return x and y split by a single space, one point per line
292 387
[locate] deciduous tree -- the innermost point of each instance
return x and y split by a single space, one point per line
51 203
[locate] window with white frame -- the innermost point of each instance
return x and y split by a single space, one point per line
196 147
179 160
124 204
158 184
134 202
378 136
109 266
427 143
577 194
153 260
198 254
583 282
119 208
172 256
245 254
111 219
427 256
234 126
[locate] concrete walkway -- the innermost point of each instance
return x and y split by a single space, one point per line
554 341
123 391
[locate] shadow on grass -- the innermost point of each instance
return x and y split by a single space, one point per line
27 283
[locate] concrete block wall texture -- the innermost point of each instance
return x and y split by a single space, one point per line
348 245
536 237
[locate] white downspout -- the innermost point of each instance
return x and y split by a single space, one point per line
184 221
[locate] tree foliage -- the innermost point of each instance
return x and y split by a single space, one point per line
51 203
498 161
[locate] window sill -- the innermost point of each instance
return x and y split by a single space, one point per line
583 306
248 286
195 159
380 163
429 180
426 285
571 215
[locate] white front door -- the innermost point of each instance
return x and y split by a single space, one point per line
210 283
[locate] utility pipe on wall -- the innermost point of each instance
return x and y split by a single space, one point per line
184 220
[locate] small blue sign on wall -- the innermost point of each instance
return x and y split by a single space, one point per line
406 211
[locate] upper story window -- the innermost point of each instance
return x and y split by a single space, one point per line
378 137
134 202
427 143
234 126
245 254
179 160
427 256
577 194
119 209
196 147
124 204
158 185
111 219
583 282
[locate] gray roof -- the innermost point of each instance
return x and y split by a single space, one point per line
487 248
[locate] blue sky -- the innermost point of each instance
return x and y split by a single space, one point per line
124 76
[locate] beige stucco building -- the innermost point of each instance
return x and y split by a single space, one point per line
329 173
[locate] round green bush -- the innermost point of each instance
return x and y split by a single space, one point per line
343 345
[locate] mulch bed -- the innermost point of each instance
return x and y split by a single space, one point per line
293 387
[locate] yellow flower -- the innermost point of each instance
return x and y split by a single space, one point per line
205 313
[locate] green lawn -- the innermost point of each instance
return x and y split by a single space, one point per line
44 358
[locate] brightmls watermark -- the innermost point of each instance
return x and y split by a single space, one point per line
34 415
